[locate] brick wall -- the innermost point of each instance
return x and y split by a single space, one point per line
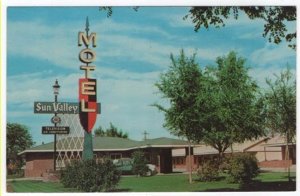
275 164
38 163
187 160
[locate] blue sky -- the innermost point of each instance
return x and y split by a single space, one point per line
133 48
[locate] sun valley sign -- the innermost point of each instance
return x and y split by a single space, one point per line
59 107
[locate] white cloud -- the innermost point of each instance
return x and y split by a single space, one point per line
251 35
125 98
271 54
57 44
260 74
113 27
37 40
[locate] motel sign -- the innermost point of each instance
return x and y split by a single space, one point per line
87 86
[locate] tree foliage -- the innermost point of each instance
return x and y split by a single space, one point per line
219 106
180 85
281 104
18 139
112 131
275 18
233 109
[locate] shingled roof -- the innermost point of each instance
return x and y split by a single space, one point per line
117 144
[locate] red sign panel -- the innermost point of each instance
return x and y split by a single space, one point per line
87 103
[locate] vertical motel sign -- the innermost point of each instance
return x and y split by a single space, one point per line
87 86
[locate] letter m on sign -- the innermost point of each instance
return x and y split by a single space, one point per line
87 103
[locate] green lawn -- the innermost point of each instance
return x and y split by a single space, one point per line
171 183
38 186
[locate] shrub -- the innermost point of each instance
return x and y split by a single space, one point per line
90 176
242 168
70 176
139 165
209 171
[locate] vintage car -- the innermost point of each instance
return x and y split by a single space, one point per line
125 166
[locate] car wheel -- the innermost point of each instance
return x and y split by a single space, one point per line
149 173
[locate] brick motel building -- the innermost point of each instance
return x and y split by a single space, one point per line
169 155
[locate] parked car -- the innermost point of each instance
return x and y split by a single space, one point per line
125 166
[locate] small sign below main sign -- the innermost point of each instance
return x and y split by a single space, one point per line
55 130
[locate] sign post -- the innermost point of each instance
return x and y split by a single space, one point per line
87 91
56 91
46 108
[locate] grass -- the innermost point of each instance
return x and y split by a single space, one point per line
168 183
38 186
171 183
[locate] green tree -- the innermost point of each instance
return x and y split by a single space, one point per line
281 106
180 85
233 108
139 165
99 132
275 18
112 131
18 139
219 106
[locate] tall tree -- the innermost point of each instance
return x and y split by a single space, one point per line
18 139
112 131
275 18
180 85
281 107
234 109
219 106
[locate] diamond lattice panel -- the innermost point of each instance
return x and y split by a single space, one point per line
69 146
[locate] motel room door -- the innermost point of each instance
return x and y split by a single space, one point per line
165 161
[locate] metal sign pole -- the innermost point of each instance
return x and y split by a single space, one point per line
87 92
54 155
56 90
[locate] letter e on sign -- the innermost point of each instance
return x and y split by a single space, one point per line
88 103
88 88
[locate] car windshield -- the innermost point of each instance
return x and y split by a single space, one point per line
126 162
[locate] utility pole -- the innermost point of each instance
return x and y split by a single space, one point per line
145 133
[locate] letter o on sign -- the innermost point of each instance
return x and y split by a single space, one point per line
87 55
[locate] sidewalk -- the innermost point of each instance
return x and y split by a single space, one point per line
292 169
21 179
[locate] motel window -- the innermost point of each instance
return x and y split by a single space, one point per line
116 156
179 160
